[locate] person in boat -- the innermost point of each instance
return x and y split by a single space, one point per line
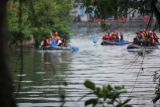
64 42
118 35
110 37
46 42
152 39
121 36
105 37
42 43
56 36
135 41
153 42
113 37
56 40
155 37
145 38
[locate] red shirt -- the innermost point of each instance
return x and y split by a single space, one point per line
46 42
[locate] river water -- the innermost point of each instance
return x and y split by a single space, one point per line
54 79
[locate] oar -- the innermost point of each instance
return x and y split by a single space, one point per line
74 49
121 42
95 39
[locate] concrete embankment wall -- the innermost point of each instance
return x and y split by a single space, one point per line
86 28
131 25
92 27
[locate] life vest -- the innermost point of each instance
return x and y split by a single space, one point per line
107 37
64 42
56 38
104 37
46 42
155 35
153 41
110 37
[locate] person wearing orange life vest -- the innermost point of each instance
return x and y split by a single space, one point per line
153 42
155 37
121 36
110 37
135 41
105 37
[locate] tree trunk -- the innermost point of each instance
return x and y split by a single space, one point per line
156 12
6 84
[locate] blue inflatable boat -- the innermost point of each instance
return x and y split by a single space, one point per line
137 48
120 42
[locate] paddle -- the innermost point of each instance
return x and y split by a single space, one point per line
74 49
95 39
121 42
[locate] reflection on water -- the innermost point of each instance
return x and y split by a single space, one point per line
42 81
50 78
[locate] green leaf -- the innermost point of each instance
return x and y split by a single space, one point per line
89 85
91 101
105 92
119 87
98 92
109 87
